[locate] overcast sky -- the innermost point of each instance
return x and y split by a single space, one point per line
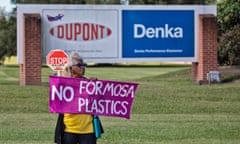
6 4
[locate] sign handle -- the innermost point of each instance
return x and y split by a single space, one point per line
58 73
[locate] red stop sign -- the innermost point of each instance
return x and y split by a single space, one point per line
57 60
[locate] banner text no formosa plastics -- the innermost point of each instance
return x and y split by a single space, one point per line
101 97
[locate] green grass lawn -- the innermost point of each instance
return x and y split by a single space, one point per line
168 109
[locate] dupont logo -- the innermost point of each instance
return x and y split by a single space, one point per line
80 31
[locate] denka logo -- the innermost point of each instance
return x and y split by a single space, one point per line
141 31
80 31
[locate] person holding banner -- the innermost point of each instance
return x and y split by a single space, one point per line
75 128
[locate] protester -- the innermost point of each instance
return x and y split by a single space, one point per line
75 128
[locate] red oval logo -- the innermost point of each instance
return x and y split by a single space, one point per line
80 31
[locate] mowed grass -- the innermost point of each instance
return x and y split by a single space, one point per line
168 109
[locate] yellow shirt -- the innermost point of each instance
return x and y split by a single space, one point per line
78 123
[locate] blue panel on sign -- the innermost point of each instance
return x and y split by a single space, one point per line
157 33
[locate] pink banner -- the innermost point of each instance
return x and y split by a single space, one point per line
101 97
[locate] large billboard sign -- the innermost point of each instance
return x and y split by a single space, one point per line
125 33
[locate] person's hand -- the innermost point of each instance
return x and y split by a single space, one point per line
93 79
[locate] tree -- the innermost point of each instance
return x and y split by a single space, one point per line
229 44
3 24
116 1
228 14
178 1
228 32
7 37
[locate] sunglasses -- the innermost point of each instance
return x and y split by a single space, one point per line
81 65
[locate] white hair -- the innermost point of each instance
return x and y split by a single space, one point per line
75 58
